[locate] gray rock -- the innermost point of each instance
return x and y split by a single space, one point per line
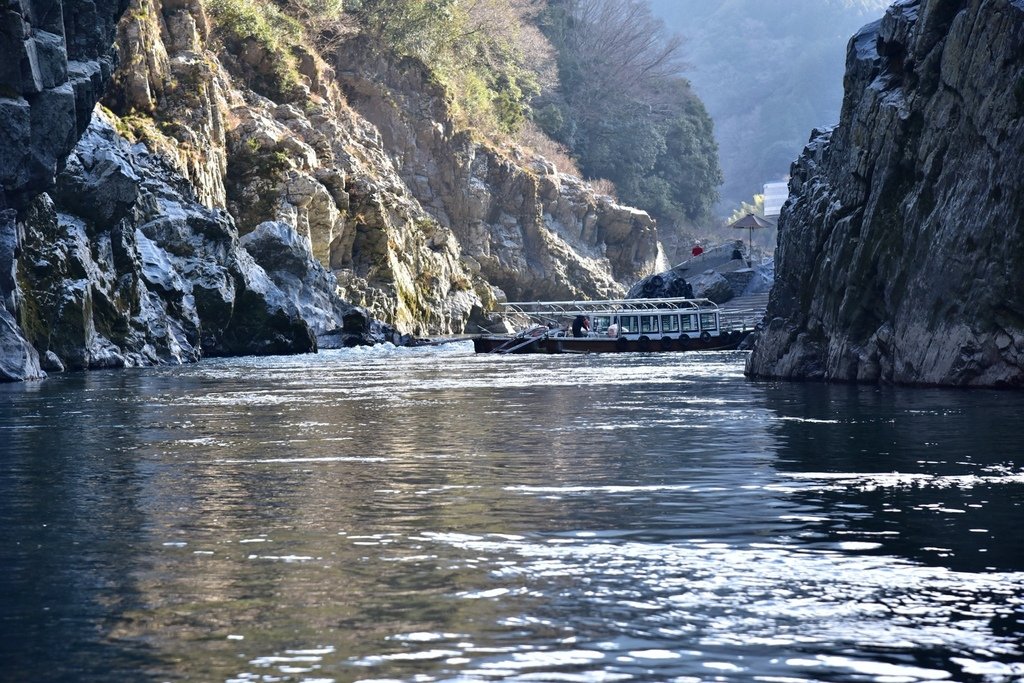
15 144
534 233
312 290
9 251
99 184
898 257
43 108
278 248
149 275
18 359
263 320
738 279
716 277
712 285
762 277
55 57
45 62
51 363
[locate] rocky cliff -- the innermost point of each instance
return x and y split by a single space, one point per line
532 231
422 223
901 248
240 186
54 61
108 259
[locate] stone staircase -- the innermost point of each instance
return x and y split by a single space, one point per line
744 312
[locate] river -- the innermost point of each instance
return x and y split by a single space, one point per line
434 515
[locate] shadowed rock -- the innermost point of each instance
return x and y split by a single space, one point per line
55 58
899 255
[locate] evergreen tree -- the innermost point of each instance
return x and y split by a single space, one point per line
625 111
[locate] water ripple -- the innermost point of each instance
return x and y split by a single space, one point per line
433 515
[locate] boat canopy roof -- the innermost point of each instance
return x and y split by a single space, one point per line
611 306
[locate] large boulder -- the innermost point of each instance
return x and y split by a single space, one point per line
713 275
18 358
144 275
712 285
311 289
899 253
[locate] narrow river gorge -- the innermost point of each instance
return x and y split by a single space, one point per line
435 515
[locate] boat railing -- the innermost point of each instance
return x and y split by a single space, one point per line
612 306
741 319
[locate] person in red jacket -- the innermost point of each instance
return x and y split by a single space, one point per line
697 250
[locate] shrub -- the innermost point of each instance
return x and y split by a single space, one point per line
486 53
263 39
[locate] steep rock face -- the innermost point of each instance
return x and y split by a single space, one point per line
123 267
55 58
419 224
532 231
306 160
287 258
166 76
901 249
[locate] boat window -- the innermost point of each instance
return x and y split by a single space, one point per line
600 323
689 322
629 324
708 321
669 323
648 324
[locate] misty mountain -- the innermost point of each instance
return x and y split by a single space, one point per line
768 72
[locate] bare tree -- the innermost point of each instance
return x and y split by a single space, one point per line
622 51
511 24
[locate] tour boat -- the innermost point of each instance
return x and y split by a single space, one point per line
618 326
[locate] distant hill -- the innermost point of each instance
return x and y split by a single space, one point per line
768 71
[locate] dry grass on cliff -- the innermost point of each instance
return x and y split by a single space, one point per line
605 187
535 141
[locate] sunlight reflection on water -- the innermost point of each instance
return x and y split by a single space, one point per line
433 515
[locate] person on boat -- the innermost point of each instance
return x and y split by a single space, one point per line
581 326
613 330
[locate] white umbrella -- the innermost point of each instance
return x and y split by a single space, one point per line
750 222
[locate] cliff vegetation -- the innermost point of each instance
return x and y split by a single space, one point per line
389 149
625 111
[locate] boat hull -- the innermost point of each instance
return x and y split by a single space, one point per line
508 344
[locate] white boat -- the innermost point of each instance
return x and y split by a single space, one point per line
617 326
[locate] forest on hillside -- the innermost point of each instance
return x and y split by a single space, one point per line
597 85
768 71
656 101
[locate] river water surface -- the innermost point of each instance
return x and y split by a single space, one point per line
433 515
